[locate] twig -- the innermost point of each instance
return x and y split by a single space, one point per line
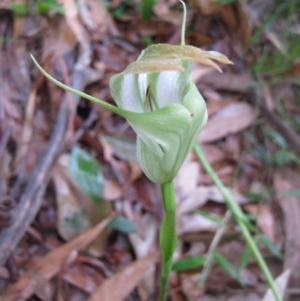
209 258
93 116
31 198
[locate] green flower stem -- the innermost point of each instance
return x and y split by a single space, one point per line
240 218
182 41
168 237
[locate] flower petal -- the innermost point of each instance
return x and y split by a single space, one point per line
128 90
170 86
166 136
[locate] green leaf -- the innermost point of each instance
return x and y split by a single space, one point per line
272 248
294 193
226 265
146 7
212 218
19 9
86 172
254 196
123 224
284 157
189 263
45 7
225 2
275 137
245 258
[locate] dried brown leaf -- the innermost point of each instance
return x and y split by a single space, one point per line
84 277
232 119
202 194
121 284
281 283
60 38
265 218
187 179
95 16
286 180
72 19
51 264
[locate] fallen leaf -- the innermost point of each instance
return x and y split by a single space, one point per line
234 16
265 218
51 265
60 38
286 180
72 19
244 297
5 4
190 223
232 119
71 219
213 153
95 16
204 193
121 284
83 276
275 40
229 81
281 283
187 179
143 243
112 190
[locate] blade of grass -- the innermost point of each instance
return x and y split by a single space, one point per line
240 218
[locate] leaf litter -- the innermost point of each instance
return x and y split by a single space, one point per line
64 254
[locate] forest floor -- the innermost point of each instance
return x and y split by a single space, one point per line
67 164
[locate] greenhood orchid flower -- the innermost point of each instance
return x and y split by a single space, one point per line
169 110
158 98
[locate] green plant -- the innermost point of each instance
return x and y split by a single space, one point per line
240 218
41 7
146 7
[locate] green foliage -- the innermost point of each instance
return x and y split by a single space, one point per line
284 157
87 174
41 7
146 7
120 10
245 258
122 224
227 266
19 9
225 2
294 193
273 61
270 246
247 254
212 218
188 263
275 137
147 41
77 222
